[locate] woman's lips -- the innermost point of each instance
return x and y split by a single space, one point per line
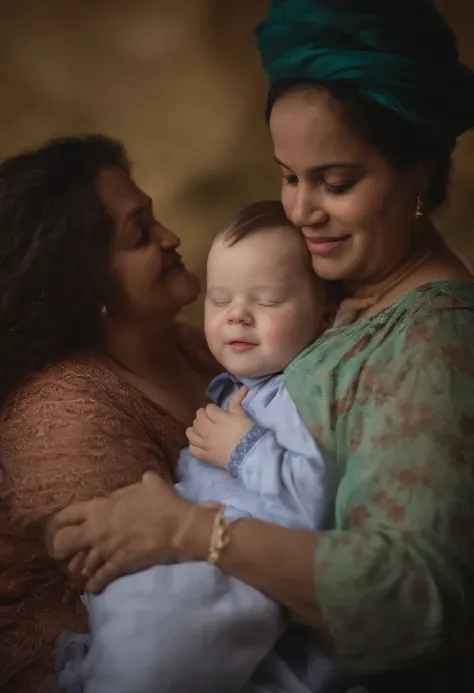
177 264
324 246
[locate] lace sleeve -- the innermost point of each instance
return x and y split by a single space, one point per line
68 442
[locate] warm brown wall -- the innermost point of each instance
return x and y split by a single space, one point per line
180 83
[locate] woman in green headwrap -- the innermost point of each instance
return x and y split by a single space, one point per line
367 100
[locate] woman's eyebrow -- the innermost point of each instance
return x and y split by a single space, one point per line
322 168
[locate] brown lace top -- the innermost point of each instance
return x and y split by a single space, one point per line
73 432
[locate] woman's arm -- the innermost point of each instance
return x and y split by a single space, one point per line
273 559
65 440
141 525
61 440
72 450
402 553
394 581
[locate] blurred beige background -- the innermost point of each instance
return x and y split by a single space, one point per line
179 82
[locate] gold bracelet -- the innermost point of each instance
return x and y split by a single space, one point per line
220 538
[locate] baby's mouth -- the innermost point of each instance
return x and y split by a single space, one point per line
240 345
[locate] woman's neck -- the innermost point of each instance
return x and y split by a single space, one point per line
150 353
152 361
429 260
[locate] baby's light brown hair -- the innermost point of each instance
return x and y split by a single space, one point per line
259 215
266 214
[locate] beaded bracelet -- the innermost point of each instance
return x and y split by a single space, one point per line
220 538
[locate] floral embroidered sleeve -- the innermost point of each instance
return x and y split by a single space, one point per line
396 574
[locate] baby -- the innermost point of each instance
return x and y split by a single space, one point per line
264 305
191 627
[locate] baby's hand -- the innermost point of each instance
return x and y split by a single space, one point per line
215 432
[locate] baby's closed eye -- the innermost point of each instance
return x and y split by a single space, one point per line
268 304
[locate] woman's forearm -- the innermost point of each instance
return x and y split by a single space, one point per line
273 559
333 595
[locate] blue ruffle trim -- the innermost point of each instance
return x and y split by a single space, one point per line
243 447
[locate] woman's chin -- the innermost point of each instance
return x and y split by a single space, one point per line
332 270
186 287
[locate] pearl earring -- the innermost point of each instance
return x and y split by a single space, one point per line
418 208
103 311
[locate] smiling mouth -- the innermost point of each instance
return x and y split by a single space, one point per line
324 246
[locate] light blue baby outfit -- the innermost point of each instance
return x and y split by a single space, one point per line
191 627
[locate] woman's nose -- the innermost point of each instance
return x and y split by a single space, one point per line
167 239
306 211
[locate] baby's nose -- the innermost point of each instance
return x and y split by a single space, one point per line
240 314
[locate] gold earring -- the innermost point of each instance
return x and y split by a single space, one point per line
103 311
418 208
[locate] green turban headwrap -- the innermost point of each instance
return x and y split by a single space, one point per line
398 53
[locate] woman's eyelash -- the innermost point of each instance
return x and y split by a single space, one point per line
143 238
333 189
339 189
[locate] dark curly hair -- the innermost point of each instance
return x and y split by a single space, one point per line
54 243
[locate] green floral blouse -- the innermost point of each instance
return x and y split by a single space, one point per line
390 401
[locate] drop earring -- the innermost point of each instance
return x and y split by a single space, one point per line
418 208
103 311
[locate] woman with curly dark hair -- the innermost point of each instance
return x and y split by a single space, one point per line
90 287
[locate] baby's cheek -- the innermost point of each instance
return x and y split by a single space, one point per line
293 336
213 337
282 336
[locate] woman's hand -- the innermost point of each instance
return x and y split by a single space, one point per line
130 530
215 432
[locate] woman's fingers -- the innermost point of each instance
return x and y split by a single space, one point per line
67 542
69 530
106 574
72 515
128 531
93 563
76 565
